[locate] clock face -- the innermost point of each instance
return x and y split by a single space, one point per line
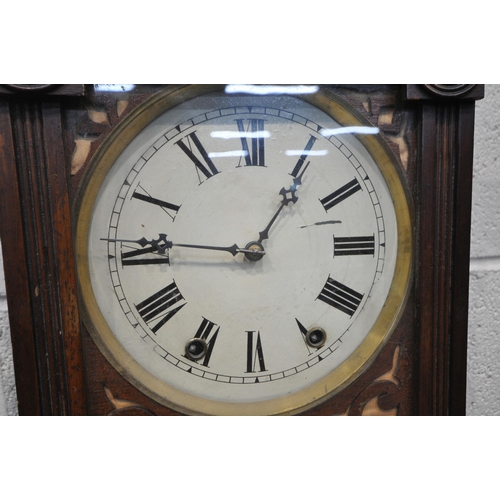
243 254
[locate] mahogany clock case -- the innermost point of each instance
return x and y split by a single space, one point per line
50 134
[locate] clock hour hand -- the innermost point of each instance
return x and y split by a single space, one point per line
162 244
297 181
233 250
289 196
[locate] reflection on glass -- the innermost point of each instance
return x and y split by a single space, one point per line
329 132
226 154
300 152
228 134
113 87
271 89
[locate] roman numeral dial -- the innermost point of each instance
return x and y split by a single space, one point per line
169 208
246 258
340 194
298 170
340 297
129 258
252 136
255 353
160 307
353 245
196 152
202 345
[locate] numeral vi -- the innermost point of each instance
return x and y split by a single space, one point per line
255 353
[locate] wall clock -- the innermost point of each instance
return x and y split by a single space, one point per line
241 250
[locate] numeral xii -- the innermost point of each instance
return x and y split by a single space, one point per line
255 151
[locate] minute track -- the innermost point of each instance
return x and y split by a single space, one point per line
198 369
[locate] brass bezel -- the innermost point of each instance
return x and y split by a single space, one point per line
334 382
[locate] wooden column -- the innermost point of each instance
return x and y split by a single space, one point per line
39 266
444 196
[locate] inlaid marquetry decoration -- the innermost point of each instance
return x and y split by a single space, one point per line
380 398
122 407
392 122
99 120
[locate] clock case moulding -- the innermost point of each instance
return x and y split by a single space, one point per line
49 136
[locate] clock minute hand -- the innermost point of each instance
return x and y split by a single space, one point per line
289 196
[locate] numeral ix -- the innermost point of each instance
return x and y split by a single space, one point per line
128 258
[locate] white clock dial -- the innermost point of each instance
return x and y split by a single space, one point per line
241 250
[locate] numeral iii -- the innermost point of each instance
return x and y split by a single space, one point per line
355 245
